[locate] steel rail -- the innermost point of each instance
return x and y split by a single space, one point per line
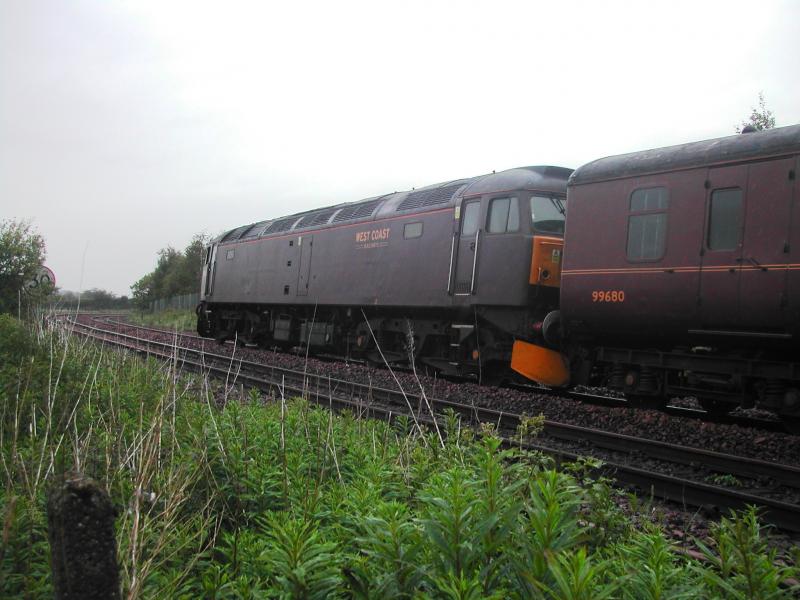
580 396
735 465
361 397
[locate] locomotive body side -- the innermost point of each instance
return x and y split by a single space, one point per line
358 264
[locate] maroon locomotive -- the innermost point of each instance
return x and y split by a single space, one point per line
681 273
449 275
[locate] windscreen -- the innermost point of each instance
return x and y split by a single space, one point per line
547 214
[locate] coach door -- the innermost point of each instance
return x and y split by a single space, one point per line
306 243
468 245
722 248
765 246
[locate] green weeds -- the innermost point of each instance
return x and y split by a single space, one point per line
250 497
172 318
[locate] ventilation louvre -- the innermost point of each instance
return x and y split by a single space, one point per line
422 198
282 225
356 211
254 231
235 234
317 218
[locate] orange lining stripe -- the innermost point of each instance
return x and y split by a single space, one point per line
712 268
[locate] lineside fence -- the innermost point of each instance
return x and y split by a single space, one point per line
179 302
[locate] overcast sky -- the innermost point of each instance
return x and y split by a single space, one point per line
129 126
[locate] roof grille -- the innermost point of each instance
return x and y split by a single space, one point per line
282 225
234 234
318 218
254 231
356 211
438 195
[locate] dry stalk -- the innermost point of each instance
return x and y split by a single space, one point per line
396 380
423 395
308 346
284 462
330 441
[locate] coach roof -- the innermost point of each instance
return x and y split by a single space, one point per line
734 148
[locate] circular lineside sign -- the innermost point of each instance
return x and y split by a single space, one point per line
44 279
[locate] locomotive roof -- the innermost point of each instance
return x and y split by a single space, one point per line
439 195
734 148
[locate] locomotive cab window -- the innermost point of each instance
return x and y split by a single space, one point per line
412 230
469 220
647 224
503 215
547 214
724 219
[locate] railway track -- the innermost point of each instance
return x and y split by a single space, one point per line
622 455
586 396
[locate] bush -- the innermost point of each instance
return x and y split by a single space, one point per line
226 494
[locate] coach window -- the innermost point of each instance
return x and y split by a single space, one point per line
469 220
230 254
647 224
412 230
547 214
725 219
503 215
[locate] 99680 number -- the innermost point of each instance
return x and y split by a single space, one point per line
608 296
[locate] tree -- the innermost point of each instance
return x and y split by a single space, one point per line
22 252
195 255
142 292
93 299
760 118
176 273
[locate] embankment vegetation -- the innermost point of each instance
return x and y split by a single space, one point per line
223 493
174 319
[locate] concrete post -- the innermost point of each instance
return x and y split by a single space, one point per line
83 550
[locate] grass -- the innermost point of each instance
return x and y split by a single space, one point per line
172 318
226 494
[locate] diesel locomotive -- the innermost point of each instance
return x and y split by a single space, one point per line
454 276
